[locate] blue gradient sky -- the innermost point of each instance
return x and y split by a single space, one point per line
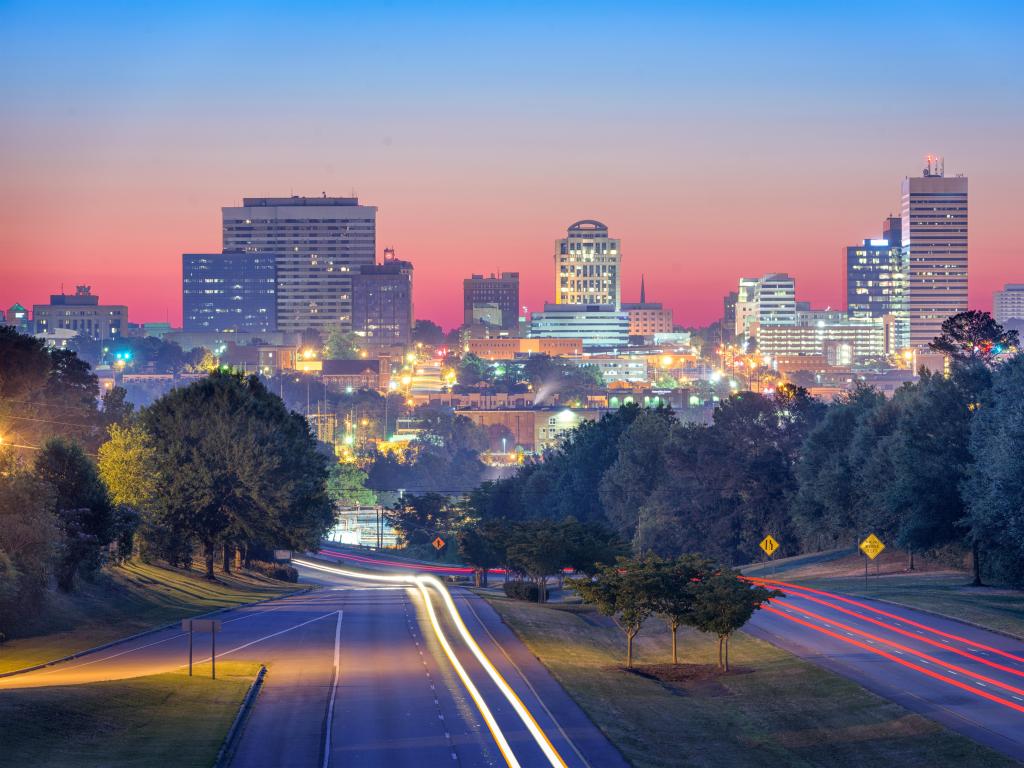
714 142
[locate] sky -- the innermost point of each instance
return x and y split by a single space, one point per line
714 141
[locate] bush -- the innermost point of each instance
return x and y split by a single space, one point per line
522 590
279 571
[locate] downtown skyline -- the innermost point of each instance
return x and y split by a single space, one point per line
702 173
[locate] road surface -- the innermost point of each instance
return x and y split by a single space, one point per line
358 676
969 679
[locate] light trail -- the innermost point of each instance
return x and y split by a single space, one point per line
887 614
422 582
908 649
944 644
898 660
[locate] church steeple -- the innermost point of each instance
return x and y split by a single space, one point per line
643 292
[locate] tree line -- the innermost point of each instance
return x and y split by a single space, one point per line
936 468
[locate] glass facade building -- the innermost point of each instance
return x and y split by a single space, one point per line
876 280
229 292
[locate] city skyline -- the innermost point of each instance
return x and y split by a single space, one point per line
104 176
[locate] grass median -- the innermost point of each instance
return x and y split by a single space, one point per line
772 709
167 719
124 600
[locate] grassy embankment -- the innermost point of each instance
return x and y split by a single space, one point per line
167 719
125 600
931 586
773 709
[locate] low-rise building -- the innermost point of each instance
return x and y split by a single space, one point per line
368 373
598 326
82 313
510 348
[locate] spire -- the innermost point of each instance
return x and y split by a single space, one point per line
643 292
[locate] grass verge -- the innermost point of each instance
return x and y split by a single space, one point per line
167 719
773 709
124 600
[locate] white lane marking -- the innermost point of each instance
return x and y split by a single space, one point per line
334 691
265 637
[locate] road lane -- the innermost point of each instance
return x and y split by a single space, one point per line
967 678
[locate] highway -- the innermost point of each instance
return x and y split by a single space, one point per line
969 679
373 672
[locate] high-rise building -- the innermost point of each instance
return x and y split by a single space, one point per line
229 292
318 242
746 305
729 312
876 279
1008 304
647 318
490 296
81 312
934 232
776 299
587 266
598 325
382 302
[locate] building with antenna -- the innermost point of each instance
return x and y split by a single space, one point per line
82 313
934 240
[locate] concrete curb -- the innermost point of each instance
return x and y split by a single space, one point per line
146 632
227 749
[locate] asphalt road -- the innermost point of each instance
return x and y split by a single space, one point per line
357 676
969 679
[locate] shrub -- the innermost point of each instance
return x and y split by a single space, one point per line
522 590
279 571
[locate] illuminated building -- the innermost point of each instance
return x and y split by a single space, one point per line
82 313
228 292
510 348
493 300
934 239
598 326
1008 304
382 303
319 242
647 319
587 264
876 280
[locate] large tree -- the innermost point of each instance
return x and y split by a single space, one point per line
974 335
234 467
84 513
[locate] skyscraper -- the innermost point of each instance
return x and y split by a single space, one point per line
319 242
499 293
230 291
382 302
776 299
934 232
876 279
587 266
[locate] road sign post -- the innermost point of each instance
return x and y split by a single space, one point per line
872 547
202 625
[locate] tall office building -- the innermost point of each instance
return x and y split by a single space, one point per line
876 280
1008 304
587 266
487 296
934 232
382 302
776 299
319 242
229 292
81 312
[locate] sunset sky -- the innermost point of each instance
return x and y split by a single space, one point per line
714 143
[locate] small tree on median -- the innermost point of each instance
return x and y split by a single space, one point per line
675 591
725 602
622 591
482 546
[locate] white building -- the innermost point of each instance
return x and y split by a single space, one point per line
1008 304
319 242
840 341
587 266
934 230
631 369
767 300
599 326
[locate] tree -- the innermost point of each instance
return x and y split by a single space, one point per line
341 345
428 332
419 519
126 464
24 363
84 514
234 467
482 546
725 602
974 335
116 408
674 595
346 485
537 549
472 370
622 591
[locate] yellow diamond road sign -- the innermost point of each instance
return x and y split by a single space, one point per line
438 543
872 546
769 545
